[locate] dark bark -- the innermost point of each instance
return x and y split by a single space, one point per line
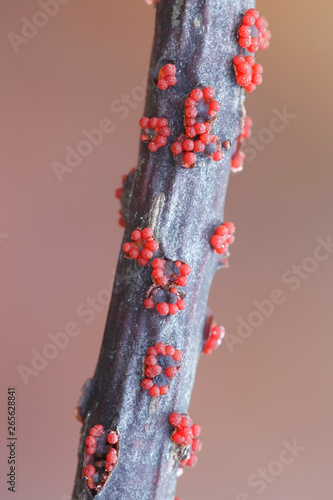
199 37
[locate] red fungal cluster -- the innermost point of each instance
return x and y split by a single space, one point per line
166 77
161 366
142 246
248 72
166 300
237 160
186 434
253 33
200 110
101 457
169 272
223 237
214 339
156 131
167 275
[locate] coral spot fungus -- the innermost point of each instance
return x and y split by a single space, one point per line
166 300
169 272
200 111
248 72
215 336
164 294
155 131
161 366
166 76
185 435
253 33
142 246
100 458
223 237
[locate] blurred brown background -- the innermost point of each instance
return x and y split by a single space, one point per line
59 243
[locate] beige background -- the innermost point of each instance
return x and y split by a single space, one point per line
59 244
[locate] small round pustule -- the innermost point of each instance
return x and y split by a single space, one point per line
136 235
134 253
173 309
147 254
189 159
186 432
152 351
153 371
200 128
175 419
218 156
178 438
181 304
206 138
97 431
192 461
160 348
162 84
188 145
185 269
189 102
154 391
171 371
185 421
90 441
151 360
189 122
153 146
147 383
208 93
196 445
177 148
160 141
191 112
152 245
126 247
182 281
89 470
216 240
178 355
143 122
251 87
196 430
164 389
199 146
190 132
171 80
153 122
170 350
149 303
196 95
222 230
112 457
257 79
215 106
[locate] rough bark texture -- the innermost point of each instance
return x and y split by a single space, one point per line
199 37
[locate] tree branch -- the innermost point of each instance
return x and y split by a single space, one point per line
183 207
